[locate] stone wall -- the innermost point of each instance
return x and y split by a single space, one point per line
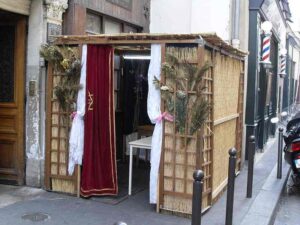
41 16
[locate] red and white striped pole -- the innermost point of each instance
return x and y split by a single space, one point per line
266 49
282 64
266 46
282 72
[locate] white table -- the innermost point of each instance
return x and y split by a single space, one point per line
144 143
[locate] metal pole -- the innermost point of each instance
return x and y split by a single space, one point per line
230 189
197 197
279 162
251 151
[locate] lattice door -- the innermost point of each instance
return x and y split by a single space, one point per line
57 139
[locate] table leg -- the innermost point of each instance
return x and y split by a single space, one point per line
137 155
130 171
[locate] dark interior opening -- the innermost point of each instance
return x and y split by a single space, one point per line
131 120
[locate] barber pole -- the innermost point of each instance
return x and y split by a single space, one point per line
282 64
266 49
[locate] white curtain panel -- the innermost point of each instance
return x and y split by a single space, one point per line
153 108
76 141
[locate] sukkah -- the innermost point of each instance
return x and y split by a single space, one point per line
205 98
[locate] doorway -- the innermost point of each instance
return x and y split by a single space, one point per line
12 76
132 121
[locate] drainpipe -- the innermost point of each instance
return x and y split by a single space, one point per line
236 25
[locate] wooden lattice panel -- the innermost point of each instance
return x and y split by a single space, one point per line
183 153
57 139
208 136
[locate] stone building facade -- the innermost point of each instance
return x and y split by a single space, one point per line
265 85
106 16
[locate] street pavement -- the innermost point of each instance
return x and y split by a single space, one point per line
25 205
258 210
289 206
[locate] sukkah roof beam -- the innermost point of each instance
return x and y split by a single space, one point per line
147 39
71 40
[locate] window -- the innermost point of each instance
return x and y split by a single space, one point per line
93 23
101 24
112 26
130 29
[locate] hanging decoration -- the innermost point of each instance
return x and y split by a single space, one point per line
187 103
76 141
66 63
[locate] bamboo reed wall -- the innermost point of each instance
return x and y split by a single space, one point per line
226 83
228 112
57 139
224 139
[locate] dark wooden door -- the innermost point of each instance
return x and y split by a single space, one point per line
12 59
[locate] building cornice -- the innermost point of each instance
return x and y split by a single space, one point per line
55 10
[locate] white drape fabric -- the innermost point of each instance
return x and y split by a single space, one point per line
153 108
76 141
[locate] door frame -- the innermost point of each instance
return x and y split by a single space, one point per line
20 58
20 23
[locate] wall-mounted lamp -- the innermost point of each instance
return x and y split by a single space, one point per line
283 51
266 26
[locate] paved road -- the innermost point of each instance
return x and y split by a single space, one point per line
29 206
289 206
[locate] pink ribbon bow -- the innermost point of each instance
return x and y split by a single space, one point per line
166 116
73 114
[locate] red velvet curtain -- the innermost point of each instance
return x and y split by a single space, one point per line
99 176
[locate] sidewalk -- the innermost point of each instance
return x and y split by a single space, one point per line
27 206
23 205
259 209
